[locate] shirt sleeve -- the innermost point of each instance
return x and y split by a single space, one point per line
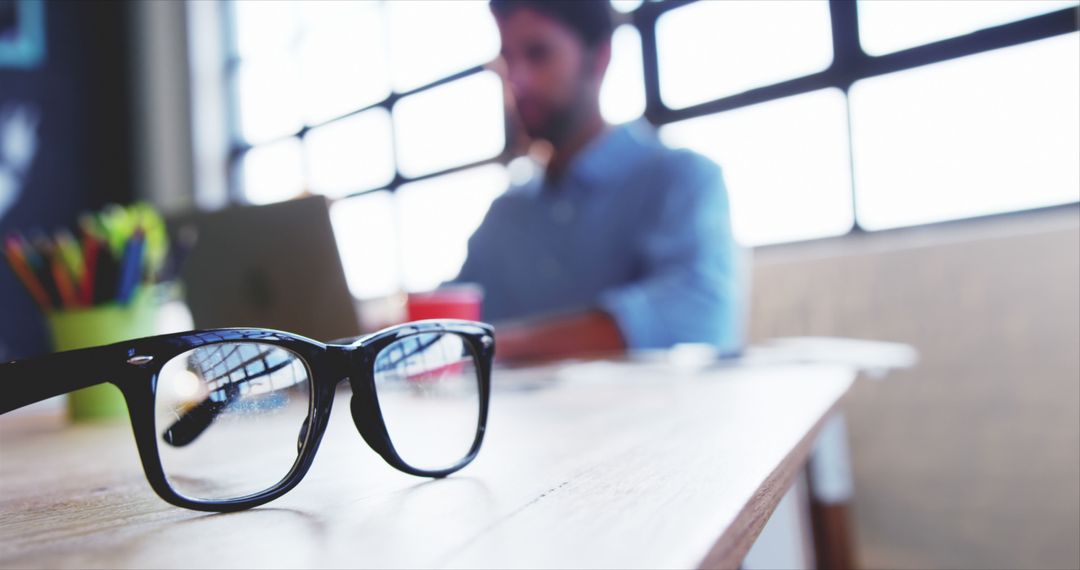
689 291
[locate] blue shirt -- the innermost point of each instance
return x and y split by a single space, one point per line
633 228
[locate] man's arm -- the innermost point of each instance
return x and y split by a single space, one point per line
690 291
577 334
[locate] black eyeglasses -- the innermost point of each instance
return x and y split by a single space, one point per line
230 419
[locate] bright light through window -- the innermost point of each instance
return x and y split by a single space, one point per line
450 125
437 218
273 172
430 39
622 96
886 26
352 154
708 50
626 5
269 99
264 27
367 239
343 58
785 165
988 133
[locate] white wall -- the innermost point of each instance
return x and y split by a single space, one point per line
971 460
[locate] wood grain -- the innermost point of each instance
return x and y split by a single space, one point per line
586 465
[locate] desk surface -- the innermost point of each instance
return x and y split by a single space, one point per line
607 465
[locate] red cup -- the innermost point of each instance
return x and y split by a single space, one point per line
455 302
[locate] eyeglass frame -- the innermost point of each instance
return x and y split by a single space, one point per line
133 366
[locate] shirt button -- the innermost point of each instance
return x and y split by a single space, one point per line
562 212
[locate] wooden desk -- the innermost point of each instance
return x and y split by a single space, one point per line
612 465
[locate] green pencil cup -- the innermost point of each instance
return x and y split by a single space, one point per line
96 326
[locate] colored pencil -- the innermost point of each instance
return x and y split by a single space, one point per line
29 280
91 248
131 266
64 286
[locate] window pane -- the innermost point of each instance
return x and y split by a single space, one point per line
709 50
367 239
982 134
343 59
785 164
886 26
268 99
434 38
626 5
273 172
263 27
351 154
450 125
437 218
622 96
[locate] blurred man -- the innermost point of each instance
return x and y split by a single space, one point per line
621 243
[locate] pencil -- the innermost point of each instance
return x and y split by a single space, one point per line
70 253
37 253
91 250
22 271
62 278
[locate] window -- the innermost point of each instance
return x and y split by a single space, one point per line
994 132
343 60
366 232
709 50
437 216
321 71
268 97
622 96
388 107
450 125
886 26
626 5
273 172
430 39
345 99
785 164
352 154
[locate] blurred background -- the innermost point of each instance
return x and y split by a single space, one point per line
903 171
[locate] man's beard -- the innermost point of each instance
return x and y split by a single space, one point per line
563 122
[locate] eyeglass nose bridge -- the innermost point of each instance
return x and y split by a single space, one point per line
356 366
367 418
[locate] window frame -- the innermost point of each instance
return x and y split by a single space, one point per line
850 64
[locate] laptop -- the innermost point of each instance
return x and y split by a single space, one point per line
275 266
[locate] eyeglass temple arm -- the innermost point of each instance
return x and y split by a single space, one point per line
33 380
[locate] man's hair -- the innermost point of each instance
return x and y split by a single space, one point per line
589 19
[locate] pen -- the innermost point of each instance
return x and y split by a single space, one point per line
131 266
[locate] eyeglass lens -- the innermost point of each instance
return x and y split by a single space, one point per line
231 419
428 389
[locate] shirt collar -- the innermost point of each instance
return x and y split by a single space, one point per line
605 159
602 162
